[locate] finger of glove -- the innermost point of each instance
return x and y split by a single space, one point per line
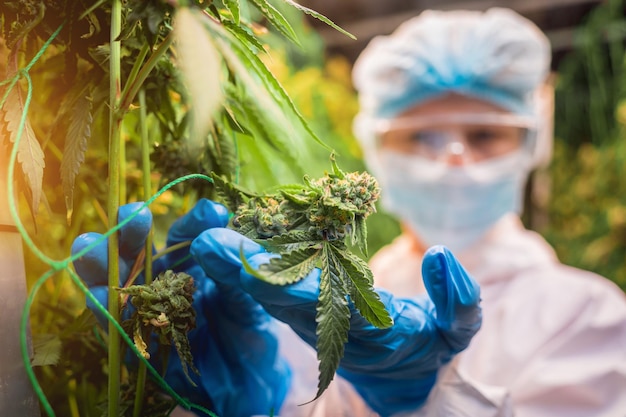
455 293
132 236
101 293
217 252
206 214
93 266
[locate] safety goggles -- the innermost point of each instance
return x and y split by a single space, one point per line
471 136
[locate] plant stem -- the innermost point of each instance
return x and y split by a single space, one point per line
132 76
147 188
133 86
113 206
147 178
122 159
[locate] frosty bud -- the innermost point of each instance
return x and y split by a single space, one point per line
341 201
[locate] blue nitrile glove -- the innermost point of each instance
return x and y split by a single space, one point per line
393 369
233 347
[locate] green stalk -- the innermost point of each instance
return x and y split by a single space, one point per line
122 158
132 76
133 85
147 187
115 119
147 180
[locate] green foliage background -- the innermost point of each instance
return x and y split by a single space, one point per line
587 206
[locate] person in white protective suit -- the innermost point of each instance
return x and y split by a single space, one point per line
451 124
454 115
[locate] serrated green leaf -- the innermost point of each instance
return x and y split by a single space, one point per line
359 234
257 117
290 267
333 319
244 36
78 133
231 120
221 143
254 114
244 61
290 241
365 299
276 19
233 8
83 323
29 153
320 17
232 196
46 349
247 229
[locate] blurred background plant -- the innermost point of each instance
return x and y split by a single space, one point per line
587 206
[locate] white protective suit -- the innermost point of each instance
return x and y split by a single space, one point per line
552 342
553 339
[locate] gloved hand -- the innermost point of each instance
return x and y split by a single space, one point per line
233 347
393 369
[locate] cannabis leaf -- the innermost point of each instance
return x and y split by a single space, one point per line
333 319
291 267
308 226
319 17
241 59
46 349
276 19
29 152
359 281
79 132
290 241
235 11
231 194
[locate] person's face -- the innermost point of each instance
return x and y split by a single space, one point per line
454 129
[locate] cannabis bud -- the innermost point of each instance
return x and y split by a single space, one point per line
341 202
309 226
332 207
269 216
163 307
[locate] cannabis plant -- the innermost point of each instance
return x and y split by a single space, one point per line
313 225
113 82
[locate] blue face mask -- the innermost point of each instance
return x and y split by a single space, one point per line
450 205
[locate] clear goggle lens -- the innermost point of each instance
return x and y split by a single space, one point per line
476 136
